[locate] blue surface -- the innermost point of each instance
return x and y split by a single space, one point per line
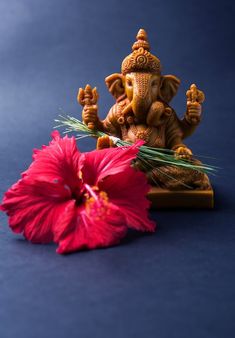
178 282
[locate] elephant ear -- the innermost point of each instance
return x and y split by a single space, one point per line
114 82
169 87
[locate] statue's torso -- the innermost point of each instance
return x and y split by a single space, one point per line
153 136
157 136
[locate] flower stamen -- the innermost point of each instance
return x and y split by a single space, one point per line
97 203
91 191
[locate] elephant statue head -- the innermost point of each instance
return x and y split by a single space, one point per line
142 83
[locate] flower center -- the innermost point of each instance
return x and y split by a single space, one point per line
96 202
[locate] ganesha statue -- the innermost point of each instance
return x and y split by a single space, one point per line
142 111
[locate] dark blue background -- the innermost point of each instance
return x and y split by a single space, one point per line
178 282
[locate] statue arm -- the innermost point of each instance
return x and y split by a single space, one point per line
173 132
186 127
192 117
174 138
110 124
88 98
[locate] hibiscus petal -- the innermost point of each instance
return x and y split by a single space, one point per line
36 201
34 209
127 189
78 231
98 164
58 162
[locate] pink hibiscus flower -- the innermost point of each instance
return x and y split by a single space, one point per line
79 200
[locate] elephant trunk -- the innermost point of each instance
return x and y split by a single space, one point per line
142 100
140 108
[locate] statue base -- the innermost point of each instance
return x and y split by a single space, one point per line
195 199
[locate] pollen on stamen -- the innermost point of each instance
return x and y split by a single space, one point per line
98 208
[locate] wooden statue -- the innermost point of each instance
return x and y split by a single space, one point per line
142 111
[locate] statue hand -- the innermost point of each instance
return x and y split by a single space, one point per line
104 142
194 109
90 115
193 113
88 98
182 152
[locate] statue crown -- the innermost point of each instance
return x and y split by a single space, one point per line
141 60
